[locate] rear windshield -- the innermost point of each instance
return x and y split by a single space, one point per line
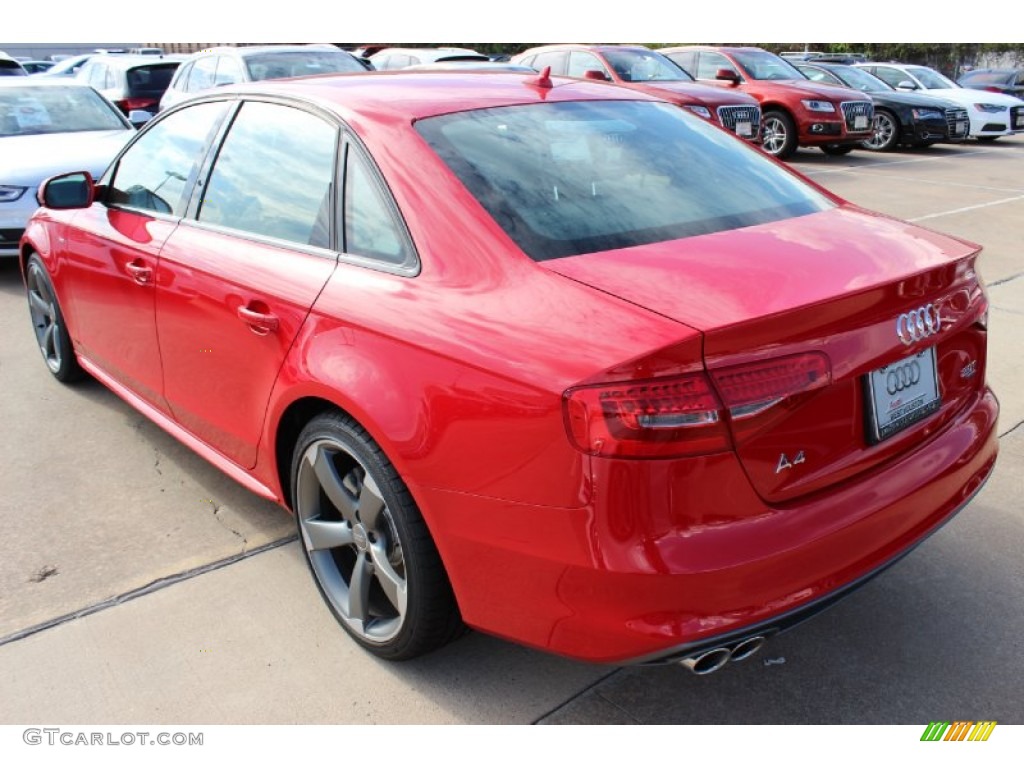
152 78
271 66
580 177
10 69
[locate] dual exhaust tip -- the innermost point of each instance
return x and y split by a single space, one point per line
713 660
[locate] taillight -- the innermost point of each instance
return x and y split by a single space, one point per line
685 415
127 105
659 418
753 388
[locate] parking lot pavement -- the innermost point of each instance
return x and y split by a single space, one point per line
96 504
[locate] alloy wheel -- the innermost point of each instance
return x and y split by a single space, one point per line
351 541
883 133
45 319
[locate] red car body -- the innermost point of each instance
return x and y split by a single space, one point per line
725 110
474 374
786 97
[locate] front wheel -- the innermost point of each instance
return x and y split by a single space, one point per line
367 545
837 150
778 134
885 133
48 323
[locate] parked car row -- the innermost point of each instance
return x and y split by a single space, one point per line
550 357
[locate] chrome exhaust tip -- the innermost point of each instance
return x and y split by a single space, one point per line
707 662
747 648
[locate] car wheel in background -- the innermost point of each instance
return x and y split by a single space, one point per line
366 543
778 134
885 133
48 324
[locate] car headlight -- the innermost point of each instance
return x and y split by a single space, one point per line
990 108
818 106
928 114
702 111
9 194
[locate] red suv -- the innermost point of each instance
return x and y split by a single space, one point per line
797 111
649 71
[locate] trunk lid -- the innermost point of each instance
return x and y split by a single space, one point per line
835 282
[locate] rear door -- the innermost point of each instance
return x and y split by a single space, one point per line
238 277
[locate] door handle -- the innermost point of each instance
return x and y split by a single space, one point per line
261 322
140 273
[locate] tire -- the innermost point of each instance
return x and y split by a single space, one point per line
885 133
986 138
48 324
367 545
778 134
837 150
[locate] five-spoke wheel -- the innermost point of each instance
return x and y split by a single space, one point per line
778 134
48 323
366 543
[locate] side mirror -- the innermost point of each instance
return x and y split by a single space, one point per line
906 85
595 74
728 74
139 117
67 191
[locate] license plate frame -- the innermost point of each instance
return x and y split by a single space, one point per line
901 394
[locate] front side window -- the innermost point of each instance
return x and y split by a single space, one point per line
157 171
564 179
709 63
762 65
581 61
820 75
645 66
274 176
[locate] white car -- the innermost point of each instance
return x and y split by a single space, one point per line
400 58
49 127
992 114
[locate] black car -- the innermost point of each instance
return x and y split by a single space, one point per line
900 118
1008 81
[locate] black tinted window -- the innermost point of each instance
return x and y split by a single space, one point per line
156 172
577 177
274 175
150 80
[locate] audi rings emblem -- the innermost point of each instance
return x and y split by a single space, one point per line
918 324
905 376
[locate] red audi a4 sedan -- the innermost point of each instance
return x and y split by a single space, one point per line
551 359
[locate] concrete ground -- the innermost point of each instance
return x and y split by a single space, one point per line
139 585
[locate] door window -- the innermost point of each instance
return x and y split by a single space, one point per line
274 175
581 61
156 173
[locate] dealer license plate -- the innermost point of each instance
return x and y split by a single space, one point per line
902 394
1020 119
860 123
961 127
744 129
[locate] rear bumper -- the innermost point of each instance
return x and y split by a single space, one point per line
669 558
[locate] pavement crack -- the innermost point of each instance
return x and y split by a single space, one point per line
1009 279
217 516
43 574
1011 429
575 696
153 586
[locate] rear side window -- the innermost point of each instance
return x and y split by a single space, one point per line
274 176
554 59
372 229
156 173
569 178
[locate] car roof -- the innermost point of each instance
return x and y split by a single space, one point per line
130 61
412 95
